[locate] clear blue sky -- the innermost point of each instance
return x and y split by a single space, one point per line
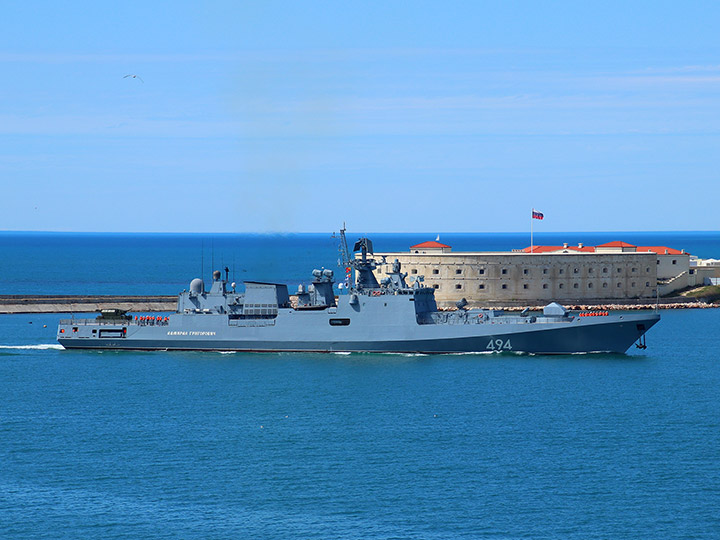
392 116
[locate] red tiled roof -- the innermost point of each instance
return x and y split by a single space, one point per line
617 243
548 249
429 244
541 249
661 250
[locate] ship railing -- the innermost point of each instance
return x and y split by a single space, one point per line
473 317
384 291
110 322
449 317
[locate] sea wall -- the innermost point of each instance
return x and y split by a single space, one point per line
154 304
85 304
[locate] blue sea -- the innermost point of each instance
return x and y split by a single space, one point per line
207 445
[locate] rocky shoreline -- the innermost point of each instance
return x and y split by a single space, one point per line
10 304
154 304
618 307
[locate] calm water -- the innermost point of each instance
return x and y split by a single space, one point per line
209 445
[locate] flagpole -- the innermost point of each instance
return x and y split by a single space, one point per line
531 231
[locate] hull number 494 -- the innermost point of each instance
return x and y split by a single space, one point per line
499 345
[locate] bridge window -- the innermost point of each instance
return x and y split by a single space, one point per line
111 333
339 322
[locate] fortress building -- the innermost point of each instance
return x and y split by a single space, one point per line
571 274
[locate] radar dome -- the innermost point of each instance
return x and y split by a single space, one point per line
197 286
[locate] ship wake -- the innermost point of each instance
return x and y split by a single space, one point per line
40 347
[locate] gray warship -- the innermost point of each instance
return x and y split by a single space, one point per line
386 316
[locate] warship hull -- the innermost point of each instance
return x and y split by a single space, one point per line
614 334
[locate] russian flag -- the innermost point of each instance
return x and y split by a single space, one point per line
537 215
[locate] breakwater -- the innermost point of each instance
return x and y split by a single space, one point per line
625 304
153 304
84 303
619 307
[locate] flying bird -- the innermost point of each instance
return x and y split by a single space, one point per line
134 77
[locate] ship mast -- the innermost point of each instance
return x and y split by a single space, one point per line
364 267
344 260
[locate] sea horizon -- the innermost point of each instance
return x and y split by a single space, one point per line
282 233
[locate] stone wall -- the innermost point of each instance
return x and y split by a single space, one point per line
497 277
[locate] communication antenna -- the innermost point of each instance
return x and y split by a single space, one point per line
202 258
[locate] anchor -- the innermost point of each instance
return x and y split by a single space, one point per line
641 343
